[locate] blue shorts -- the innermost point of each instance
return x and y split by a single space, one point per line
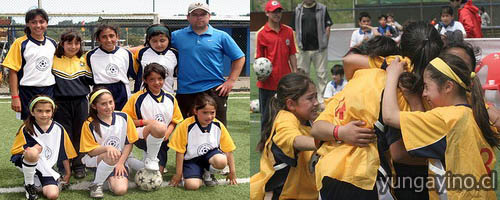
26 93
193 168
162 154
44 180
119 92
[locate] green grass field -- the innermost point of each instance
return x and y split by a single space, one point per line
238 125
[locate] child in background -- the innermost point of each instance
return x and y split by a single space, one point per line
447 23
365 31
337 83
286 144
157 49
454 123
112 65
394 24
384 29
30 61
73 78
155 114
203 147
39 145
107 139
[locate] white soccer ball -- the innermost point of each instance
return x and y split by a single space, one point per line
254 106
148 180
262 68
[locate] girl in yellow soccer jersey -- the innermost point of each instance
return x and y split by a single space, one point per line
455 135
203 146
107 139
155 113
39 145
30 62
286 144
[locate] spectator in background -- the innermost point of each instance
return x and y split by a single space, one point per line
337 83
275 41
447 24
485 18
468 15
312 27
365 31
384 29
394 24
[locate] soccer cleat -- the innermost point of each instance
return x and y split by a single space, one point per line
31 192
96 191
209 179
151 164
80 173
224 171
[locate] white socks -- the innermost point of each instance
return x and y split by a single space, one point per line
102 172
29 172
153 144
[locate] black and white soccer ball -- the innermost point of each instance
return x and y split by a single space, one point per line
262 68
148 180
254 106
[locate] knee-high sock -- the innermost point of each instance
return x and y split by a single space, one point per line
29 172
102 172
153 144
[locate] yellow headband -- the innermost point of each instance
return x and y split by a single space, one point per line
42 99
92 98
444 68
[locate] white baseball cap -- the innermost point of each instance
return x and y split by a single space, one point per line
198 5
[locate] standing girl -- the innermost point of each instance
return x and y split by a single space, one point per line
39 145
203 146
112 65
30 61
73 78
286 144
155 114
158 49
107 139
453 132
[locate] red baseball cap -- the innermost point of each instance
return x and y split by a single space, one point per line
273 5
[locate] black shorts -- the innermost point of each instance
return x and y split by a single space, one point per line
336 189
44 180
186 102
162 154
26 93
193 168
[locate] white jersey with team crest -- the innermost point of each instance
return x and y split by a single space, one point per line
167 59
32 60
110 67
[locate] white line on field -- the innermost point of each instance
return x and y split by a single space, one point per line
85 185
253 121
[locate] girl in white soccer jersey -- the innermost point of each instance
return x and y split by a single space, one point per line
107 138
158 49
203 146
38 146
30 62
155 114
455 135
112 65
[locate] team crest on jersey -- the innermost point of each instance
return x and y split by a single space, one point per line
42 63
287 42
204 148
159 117
47 152
112 141
112 70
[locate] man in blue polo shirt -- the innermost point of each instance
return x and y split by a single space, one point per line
201 53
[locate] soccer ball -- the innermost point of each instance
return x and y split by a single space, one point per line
148 180
263 68
254 106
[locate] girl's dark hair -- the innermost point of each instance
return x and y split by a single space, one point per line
31 14
337 70
463 71
68 36
446 10
467 47
421 43
30 121
376 46
150 68
103 27
203 100
150 34
291 86
93 111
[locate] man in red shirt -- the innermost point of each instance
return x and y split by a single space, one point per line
468 15
275 41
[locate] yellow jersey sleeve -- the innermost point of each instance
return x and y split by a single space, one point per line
286 128
424 132
129 107
68 146
132 134
13 60
87 141
178 139
19 142
226 142
334 108
384 62
177 116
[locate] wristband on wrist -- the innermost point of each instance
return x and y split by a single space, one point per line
141 123
15 97
336 134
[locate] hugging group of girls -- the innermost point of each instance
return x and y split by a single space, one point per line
413 111
69 125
